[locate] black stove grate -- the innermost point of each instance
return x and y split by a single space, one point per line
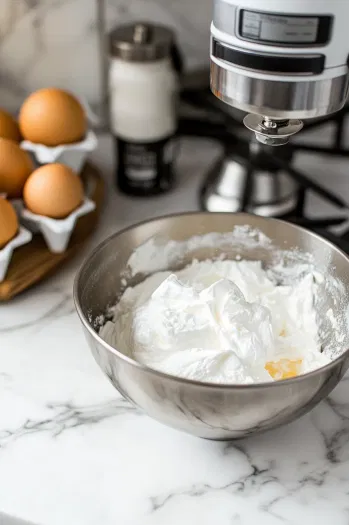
216 123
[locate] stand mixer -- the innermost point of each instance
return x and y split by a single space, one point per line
281 62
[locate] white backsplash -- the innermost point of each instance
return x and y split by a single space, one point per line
55 42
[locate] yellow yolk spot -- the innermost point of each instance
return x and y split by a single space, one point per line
284 368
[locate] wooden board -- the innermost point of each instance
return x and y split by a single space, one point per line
32 262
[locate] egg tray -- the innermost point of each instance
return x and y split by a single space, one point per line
33 262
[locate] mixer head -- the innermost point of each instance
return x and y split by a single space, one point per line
281 62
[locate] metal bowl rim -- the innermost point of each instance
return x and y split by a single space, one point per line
182 380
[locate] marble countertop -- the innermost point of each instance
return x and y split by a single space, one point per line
72 451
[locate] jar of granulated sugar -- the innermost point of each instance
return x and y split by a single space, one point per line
143 88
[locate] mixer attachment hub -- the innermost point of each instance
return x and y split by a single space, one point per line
272 132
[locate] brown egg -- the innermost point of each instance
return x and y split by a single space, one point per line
52 116
8 127
15 168
53 190
8 222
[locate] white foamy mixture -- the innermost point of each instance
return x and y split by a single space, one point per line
218 321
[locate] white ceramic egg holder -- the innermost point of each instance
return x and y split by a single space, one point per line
56 232
72 155
23 237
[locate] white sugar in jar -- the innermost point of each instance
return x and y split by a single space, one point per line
143 88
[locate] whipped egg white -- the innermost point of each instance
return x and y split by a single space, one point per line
220 322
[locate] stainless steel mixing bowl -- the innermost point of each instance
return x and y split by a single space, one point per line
203 409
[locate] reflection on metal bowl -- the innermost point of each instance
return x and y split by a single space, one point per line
202 409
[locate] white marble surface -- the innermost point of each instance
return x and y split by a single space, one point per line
73 452
55 42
